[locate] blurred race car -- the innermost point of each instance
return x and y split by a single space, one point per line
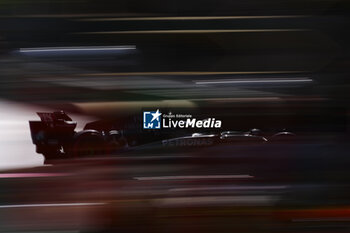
55 136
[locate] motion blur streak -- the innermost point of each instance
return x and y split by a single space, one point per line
237 81
192 73
263 187
217 200
194 177
194 18
31 175
15 141
275 73
70 49
196 31
50 205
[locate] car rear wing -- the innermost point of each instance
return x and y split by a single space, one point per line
52 123
46 117
50 118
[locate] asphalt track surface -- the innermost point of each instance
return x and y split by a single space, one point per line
60 196
244 179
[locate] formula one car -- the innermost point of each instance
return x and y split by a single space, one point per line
55 136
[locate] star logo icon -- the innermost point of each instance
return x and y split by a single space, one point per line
156 115
151 119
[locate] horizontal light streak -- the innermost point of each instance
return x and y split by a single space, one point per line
192 18
228 188
194 177
114 17
31 175
254 81
195 31
49 205
79 48
330 219
184 73
254 200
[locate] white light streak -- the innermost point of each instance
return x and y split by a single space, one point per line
194 177
253 81
79 49
49 205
